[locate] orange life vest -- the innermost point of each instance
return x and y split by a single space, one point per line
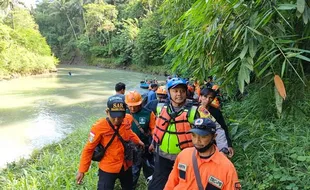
182 125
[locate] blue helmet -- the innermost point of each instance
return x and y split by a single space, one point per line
175 82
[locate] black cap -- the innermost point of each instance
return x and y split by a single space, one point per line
117 106
203 127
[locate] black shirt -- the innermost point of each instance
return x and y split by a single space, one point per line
217 114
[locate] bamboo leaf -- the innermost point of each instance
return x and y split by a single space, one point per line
231 65
252 48
244 51
301 5
255 31
286 7
303 57
268 65
249 63
280 86
305 16
297 49
241 80
283 68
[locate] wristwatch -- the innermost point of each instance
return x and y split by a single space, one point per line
225 150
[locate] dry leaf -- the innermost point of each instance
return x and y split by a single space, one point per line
280 86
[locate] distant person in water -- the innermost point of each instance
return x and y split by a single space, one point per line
69 73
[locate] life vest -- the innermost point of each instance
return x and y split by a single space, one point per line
171 129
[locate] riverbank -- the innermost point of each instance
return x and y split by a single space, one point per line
153 70
270 153
147 69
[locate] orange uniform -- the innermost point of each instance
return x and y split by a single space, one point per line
113 160
217 172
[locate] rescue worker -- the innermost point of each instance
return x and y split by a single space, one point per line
120 90
206 98
143 125
170 136
161 95
113 164
203 167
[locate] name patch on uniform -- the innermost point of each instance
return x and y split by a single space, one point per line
91 137
182 167
216 182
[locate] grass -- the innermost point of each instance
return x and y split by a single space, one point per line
270 153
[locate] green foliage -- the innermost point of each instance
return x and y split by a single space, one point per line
239 40
100 17
133 9
23 50
59 21
270 153
148 47
123 42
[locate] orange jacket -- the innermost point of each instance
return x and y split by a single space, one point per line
216 172
114 157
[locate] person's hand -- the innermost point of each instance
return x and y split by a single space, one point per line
231 152
151 148
141 144
79 177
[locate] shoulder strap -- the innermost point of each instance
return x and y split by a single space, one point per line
113 137
116 132
110 141
196 171
139 126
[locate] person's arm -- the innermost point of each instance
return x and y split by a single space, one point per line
173 179
221 139
221 121
94 139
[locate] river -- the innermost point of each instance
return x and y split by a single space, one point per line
39 110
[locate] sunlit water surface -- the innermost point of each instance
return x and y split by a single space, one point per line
39 110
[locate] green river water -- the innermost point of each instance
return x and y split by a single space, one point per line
38 110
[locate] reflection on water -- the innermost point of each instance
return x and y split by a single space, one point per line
38 110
